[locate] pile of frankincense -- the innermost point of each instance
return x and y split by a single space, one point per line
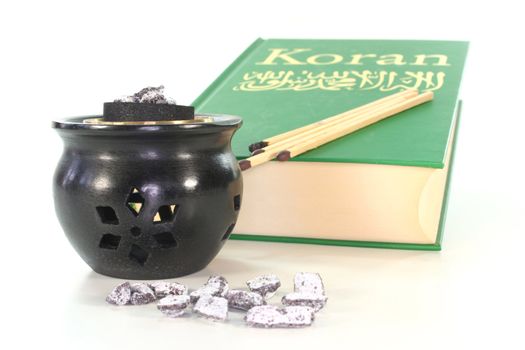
214 298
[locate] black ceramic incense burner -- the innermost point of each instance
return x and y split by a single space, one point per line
147 199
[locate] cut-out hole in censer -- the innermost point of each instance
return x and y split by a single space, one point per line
165 240
237 202
107 215
109 241
135 202
138 254
166 213
228 232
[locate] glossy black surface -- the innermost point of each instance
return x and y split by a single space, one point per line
147 201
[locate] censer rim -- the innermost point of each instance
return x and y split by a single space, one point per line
96 122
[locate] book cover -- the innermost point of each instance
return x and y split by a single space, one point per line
280 84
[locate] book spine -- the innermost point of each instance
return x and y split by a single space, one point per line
202 97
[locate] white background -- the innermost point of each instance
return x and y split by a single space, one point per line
61 59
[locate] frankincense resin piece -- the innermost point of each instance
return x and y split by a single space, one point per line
216 286
313 300
299 316
266 316
141 294
163 288
220 283
120 295
266 285
270 316
215 308
173 305
308 282
244 300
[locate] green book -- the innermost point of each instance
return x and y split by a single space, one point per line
382 186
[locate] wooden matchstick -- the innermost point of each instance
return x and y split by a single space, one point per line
335 131
339 118
343 129
274 139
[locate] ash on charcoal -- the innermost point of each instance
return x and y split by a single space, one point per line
149 94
